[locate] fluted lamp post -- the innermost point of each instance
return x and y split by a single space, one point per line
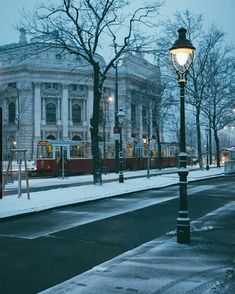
182 53
207 149
121 118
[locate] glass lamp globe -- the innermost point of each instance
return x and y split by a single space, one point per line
182 52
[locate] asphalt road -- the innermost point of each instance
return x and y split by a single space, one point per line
44 249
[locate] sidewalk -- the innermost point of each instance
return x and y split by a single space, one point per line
11 205
205 266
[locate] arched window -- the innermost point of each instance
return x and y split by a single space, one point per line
11 112
50 113
50 137
76 138
76 113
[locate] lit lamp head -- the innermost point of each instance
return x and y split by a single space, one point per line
121 116
182 52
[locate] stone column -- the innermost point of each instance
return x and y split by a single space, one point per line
128 118
70 101
140 123
37 117
65 109
59 110
43 111
37 110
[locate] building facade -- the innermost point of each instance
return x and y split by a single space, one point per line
49 95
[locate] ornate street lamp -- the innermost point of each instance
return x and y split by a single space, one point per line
121 117
182 53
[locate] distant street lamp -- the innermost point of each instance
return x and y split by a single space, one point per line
116 112
182 53
207 149
121 117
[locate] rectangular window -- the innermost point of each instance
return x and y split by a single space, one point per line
144 117
74 87
47 85
81 87
133 114
51 86
12 85
55 86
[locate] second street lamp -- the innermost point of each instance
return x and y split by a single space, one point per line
207 149
182 53
121 117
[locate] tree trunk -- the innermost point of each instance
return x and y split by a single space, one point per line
94 129
199 145
159 148
217 145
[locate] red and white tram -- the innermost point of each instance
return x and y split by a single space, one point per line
75 157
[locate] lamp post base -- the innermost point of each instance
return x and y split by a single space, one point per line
183 230
121 178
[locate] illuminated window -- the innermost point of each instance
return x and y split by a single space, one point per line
164 152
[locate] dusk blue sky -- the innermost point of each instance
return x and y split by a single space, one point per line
221 12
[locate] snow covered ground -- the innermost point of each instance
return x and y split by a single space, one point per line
42 200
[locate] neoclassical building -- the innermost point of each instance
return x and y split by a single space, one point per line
49 95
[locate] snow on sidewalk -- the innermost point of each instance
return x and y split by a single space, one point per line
12 205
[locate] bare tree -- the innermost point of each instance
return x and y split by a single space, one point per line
218 107
206 44
200 79
159 101
84 28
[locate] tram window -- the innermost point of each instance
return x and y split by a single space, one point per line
172 152
110 152
232 155
129 150
154 152
44 151
87 151
57 151
139 152
75 151
164 152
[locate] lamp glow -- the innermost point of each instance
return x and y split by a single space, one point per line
182 52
